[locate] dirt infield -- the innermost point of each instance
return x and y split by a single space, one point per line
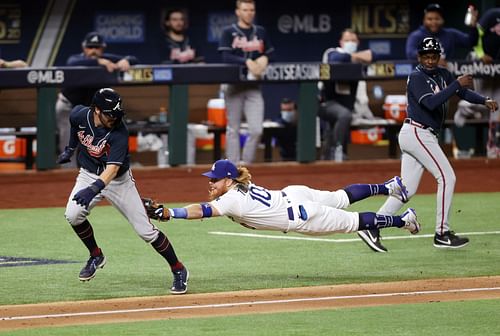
246 302
184 184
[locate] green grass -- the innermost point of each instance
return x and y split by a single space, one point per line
224 263
437 318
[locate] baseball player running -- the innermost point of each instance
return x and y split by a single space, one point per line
429 88
102 139
293 209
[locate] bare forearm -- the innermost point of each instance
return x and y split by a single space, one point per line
109 173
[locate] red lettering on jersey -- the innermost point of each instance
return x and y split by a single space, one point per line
243 43
93 150
182 56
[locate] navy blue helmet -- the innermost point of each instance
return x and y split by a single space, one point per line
109 102
429 45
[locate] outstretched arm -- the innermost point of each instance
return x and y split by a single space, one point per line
192 211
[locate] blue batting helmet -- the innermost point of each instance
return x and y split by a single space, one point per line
109 102
429 45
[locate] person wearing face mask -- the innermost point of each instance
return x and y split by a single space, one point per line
449 38
338 97
287 136
429 88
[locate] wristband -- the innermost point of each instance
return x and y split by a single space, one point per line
178 212
97 186
206 210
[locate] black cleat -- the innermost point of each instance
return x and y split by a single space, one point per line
450 240
372 239
181 277
88 271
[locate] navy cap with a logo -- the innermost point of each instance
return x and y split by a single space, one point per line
434 7
94 39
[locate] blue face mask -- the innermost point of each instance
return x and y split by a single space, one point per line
350 47
288 116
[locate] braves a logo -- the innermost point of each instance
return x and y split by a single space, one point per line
435 87
98 150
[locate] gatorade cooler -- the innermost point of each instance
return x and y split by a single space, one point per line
366 136
395 107
216 112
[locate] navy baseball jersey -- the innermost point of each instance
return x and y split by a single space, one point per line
490 25
83 95
98 146
449 39
428 94
178 51
238 45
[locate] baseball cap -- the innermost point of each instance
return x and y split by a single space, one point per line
221 169
93 39
434 7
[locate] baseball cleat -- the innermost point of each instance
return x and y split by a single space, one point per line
410 219
372 239
181 277
89 270
397 189
450 240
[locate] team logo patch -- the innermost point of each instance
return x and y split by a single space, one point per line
6 261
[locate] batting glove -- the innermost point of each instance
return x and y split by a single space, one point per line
86 195
65 156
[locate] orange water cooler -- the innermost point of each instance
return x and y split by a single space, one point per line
216 112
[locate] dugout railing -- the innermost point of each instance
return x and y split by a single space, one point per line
179 77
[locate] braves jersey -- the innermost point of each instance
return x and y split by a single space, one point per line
490 26
254 207
98 146
238 44
449 39
83 95
178 51
428 93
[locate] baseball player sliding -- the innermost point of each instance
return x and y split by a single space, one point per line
429 89
293 209
102 139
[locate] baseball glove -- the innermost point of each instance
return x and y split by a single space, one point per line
155 210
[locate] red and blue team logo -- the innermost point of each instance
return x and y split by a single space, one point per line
97 151
241 42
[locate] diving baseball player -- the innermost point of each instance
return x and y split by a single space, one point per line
294 209
429 88
249 45
102 138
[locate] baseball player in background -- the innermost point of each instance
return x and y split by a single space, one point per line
428 90
294 209
101 136
249 45
93 47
